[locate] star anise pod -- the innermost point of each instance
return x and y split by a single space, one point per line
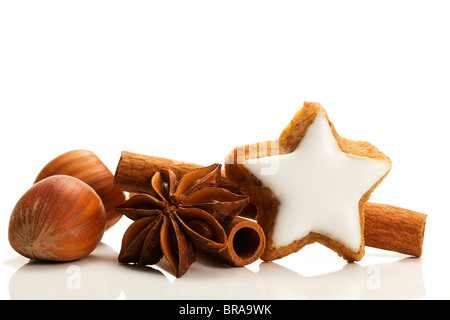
178 217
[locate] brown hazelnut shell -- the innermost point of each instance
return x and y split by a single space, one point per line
59 218
86 166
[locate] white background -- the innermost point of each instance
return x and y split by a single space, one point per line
190 80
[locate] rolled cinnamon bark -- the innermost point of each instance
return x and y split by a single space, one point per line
393 228
134 170
385 227
245 242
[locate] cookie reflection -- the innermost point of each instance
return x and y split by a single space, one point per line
402 279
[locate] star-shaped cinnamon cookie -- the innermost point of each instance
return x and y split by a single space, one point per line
309 185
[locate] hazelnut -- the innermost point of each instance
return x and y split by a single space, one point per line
87 167
59 218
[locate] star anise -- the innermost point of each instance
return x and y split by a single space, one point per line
178 217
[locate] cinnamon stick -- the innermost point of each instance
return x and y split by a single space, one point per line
245 242
134 170
394 228
385 227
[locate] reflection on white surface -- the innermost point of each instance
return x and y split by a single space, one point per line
100 276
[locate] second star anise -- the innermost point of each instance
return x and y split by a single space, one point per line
178 217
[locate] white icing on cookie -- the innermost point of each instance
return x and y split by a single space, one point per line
319 187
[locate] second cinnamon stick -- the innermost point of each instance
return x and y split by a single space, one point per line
394 228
